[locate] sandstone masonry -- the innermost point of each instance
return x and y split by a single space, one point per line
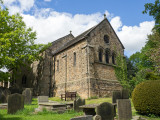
84 64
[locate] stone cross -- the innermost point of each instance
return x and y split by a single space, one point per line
15 103
124 109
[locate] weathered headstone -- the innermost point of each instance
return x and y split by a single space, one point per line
125 94
106 111
28 96
116 95
42 99
86 117
15 103
4 93
97 117
77 103
124 109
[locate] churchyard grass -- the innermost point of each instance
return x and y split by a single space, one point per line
28 112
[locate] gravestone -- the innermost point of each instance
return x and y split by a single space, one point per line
125 94
15 103
4 93
77 103
116 95
97 117
28 96
124 109
86 117
106 111
42 99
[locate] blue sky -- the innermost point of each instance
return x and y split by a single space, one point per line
52 19
129 10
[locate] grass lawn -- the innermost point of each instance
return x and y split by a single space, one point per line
28 114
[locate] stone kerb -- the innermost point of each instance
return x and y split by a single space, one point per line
28 96
124 109
77 103
86 117
106 111
15 103
42 99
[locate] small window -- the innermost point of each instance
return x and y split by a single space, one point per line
24 79
57 65
113 58
100 55
107 55
74 62
106 39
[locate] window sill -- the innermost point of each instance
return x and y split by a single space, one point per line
108 64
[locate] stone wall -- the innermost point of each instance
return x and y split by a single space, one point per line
102 75
70 76
103 88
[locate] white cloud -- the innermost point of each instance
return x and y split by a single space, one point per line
135 37
116 23
51 25
19 5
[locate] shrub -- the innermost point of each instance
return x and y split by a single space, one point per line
146 97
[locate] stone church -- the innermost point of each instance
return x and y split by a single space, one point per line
84 64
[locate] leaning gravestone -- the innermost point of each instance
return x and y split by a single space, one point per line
28 96
77 103
124 109
106 111
42 99
125 94
116 95
15 103
86 117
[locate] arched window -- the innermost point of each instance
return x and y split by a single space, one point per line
113 57
107 55
24 79
100 54
106 39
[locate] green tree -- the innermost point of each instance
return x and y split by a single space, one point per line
17 46
154 10
147 61
153 51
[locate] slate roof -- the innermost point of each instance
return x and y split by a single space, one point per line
79 38
75 40
60 39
